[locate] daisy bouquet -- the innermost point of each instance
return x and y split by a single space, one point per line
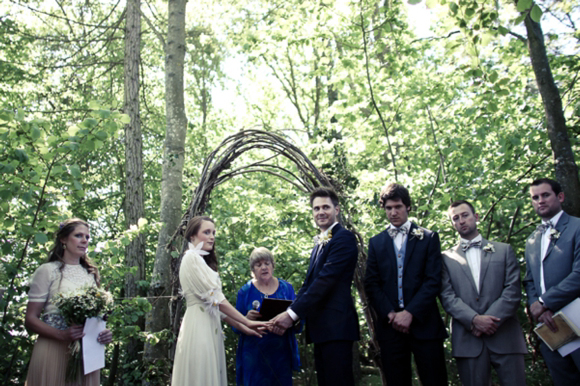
75 307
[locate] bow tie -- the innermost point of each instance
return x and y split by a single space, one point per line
466 245
393 231
545 226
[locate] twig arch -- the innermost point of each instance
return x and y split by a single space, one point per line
216 171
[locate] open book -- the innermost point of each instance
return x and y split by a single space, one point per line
567 329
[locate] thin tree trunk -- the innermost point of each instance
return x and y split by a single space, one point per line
134 207
171 179
565 165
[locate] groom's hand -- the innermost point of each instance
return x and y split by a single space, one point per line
283 320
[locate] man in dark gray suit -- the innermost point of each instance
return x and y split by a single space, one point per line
553 271
482 292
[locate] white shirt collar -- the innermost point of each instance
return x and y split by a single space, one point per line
325 233
407 224
476 238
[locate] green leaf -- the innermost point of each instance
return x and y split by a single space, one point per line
412 2
20 155
77 185
493 77
102 135
89 123
40 238
536 13
454 8
469 12
94 105
124 118
19 115
75 170
503 31
523 5
35 133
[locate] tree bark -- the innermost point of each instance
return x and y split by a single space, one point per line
134 206
565 165
171 179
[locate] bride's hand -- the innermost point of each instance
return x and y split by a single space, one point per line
259 327
250 331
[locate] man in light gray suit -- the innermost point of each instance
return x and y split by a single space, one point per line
481 291
553 271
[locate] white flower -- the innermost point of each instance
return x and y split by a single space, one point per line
197 249
418 233
323 239
489 248
211 302
554 234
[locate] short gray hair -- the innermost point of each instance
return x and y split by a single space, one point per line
260 254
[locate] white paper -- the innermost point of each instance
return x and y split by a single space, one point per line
93 351
572 311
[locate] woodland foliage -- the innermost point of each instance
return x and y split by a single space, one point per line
453 113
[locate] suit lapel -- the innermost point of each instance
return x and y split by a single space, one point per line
484 264
560 226
462 259
411 243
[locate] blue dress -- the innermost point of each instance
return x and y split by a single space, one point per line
268 360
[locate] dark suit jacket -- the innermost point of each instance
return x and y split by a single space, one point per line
561 265
421 283
499 295
325 301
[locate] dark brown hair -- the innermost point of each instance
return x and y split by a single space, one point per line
57 252
556 187
192 228
455 204
324 192
394 191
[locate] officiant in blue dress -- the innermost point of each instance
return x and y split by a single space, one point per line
271 359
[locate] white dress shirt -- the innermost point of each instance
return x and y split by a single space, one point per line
473 256
400 237
544 244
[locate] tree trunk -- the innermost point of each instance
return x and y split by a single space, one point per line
565 165
173 160
134 207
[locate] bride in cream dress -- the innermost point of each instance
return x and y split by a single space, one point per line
200 355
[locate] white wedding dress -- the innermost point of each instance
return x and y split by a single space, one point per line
200 357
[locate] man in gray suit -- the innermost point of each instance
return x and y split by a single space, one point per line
553 271
481 291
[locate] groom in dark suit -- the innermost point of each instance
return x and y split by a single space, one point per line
553 271
402 282
324 302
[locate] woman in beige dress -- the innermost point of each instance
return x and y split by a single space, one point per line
67 269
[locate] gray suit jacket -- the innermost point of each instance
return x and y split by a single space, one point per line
561 265
499 295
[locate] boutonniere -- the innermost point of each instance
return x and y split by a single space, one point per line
489 248
323 240
418 233
554 234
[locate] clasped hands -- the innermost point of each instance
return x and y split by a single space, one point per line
401 321
273 326
543 314
484 324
